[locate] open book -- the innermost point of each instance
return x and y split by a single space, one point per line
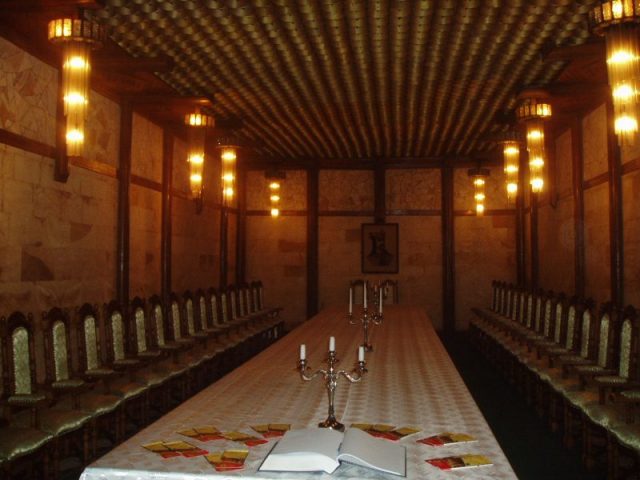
321 449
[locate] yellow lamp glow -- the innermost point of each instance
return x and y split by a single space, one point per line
198 125
228 157
479 176
275 178
77 38
533 110
511 157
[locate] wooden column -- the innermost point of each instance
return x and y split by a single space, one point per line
241 226
448 252
224 249
165 239
578 205
521 245
124 181
615 211
312 242
379 192
535 260
61 167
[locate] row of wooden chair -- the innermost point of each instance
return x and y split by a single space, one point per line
577 365
109 371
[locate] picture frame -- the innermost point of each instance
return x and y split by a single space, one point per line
379 248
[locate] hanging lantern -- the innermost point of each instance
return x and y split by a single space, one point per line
275 178
617 21
479 177
228 155
533 110
198 124
77 37
511 153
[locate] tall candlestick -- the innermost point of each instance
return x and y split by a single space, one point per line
361 353
303 352
332 344
364 288
350 300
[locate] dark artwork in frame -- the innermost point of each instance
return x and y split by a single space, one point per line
379 248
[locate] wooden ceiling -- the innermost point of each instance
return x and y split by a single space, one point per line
341 81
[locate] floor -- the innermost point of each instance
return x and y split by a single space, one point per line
533 450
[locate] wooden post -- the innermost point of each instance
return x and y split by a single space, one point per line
241 226
521 245
533 218
578 206
379 192
165 240
615 211
224 253
124 181
61 167
448 252
312 242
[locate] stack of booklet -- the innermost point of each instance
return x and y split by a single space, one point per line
320 449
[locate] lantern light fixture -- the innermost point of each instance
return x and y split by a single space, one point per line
533 110
510 142
618 21
77 37
228 158
479 176
198 125
275 178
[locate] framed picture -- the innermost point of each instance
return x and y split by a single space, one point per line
380 248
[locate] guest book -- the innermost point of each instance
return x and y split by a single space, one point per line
321 449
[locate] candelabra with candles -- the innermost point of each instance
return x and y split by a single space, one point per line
367 318
331 375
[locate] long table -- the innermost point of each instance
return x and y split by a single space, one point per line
411 382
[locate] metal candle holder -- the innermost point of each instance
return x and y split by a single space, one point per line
331 375
366 318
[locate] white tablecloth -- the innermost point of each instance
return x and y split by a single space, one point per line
411 382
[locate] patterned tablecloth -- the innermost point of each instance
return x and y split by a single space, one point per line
411 382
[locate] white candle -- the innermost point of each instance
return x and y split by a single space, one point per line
303 351
361 354
332 344
380 302
350 300
364 289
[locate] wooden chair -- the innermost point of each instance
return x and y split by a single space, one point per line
23 449
390 292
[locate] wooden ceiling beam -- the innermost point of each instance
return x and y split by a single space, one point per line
595 47
577 89
52 6
165 99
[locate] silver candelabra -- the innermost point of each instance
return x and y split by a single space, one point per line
366 319
331 375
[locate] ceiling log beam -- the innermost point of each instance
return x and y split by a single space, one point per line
131 64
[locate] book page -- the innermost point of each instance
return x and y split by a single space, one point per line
362 449
306 450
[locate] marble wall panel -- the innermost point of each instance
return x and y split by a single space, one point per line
58 241
145 241
563 164
146 149
195 246
277 255
556 247
413 189
597 243
293 194
594 142
351 190
484 251
102 130
181 166
631 230
28 89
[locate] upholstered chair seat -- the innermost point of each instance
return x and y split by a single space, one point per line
16 442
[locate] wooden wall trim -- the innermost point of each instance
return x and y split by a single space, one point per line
283 213
533 229
615 211
487 213
521 246
61 161
595 181
224 247
167 205
241 228
94 166
448 252
577 159
124 212
631 166
414 212
313 193
21 142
